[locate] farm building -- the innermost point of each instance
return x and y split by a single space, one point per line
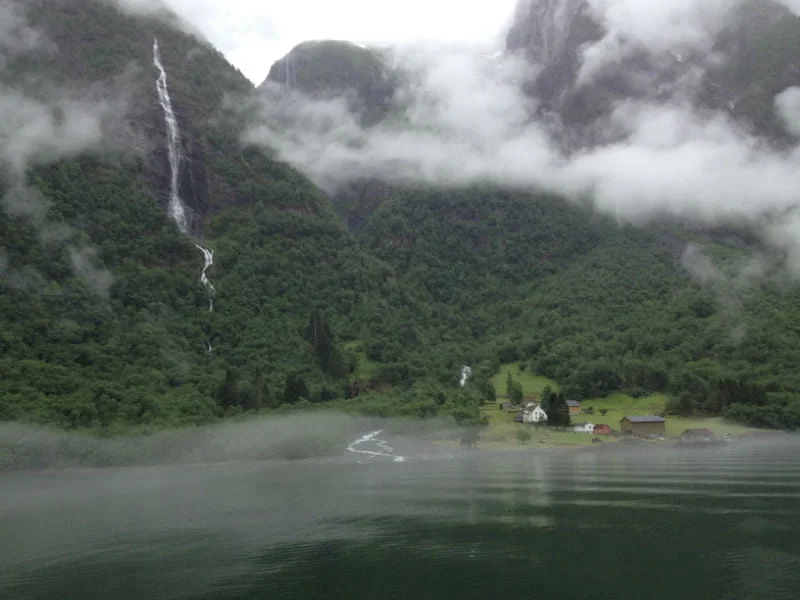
643 426
602 429
574 407
695 435
534 413
583 428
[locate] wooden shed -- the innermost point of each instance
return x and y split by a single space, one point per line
574 407
643 426
602 429
701 434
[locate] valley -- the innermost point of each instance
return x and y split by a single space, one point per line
189 264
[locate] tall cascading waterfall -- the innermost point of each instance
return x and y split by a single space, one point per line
176 208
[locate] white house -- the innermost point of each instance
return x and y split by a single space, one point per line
534 414
584 428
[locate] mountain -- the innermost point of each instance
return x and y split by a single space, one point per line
105 323
104 318
330 68
750 56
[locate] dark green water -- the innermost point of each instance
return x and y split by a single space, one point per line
722 523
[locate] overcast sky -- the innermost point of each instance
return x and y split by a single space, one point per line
253 34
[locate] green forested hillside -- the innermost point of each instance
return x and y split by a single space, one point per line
104 322
597 307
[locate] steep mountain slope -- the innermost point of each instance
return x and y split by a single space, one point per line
104 319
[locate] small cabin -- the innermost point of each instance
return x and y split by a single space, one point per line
697 435
574 407
643 426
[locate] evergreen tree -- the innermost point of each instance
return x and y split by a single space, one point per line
259 387
228 394
558 410
319 334
295 389
517 393
547 396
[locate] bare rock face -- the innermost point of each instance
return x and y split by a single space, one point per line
752 55
330 68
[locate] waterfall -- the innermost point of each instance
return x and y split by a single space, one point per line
466 372
208 260
176 209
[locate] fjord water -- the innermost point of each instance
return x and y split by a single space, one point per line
655 523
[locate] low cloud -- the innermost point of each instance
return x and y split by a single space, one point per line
37 130
463 119
86 265
730 284
466 120
40 128
787 104
15 34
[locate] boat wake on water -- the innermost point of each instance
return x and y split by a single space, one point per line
371 445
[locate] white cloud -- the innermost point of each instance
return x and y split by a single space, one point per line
467 121
254 34
676 26
787 103
32 129
15 34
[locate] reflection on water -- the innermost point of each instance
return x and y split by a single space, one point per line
721 523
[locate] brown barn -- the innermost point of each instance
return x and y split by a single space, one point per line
643 426
602 429
574 407
698 435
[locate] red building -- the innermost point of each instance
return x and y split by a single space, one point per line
601 429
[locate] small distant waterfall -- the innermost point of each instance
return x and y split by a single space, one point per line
288 72
466 373
208 260
176 209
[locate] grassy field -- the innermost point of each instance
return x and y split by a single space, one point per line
531 384
502 430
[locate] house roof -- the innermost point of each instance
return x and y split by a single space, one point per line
644 419
573 403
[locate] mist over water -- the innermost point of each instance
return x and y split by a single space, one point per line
644 523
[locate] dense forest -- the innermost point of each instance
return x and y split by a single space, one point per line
104 323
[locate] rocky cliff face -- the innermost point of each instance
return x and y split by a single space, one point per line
752 55
325 68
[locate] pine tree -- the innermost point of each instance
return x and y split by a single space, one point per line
259 388
295 389
517 394
319 334
228 394
560 411
547 397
